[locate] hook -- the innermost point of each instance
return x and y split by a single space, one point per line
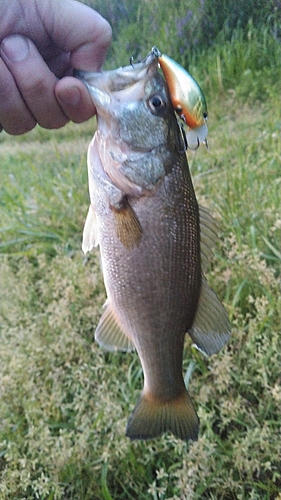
184 139
196 147
185 142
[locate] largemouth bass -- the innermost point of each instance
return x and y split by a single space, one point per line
154 241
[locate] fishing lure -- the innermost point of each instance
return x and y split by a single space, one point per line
187 97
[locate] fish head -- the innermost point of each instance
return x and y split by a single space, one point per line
136 121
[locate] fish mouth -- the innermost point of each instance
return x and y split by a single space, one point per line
102 85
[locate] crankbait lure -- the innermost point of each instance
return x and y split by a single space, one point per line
187 97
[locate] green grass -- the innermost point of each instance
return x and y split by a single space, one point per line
64 402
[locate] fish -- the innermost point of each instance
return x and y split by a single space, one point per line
154 241
187 97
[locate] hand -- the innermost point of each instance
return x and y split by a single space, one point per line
41 42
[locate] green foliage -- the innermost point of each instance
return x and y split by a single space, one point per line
186 29
195 23
29 201
248 65
64 402
226 16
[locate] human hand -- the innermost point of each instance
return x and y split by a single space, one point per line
41 42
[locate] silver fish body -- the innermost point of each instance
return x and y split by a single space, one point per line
146 220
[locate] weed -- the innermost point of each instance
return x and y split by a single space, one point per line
64 402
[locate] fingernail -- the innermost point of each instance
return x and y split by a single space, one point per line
15 48
71 96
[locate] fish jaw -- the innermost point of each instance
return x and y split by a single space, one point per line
120 82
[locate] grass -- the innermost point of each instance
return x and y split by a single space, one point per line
64 402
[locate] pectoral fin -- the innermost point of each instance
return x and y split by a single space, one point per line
128 228
109 334
211 327
90 232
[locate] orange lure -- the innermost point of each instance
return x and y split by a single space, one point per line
187 97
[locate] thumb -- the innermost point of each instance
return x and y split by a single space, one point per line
83 32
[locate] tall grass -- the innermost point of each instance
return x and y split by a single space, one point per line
35 210
64 402
186 25
248 64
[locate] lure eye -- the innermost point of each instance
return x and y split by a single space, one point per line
178 109
156 103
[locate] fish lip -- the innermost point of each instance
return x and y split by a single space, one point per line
102 84
151 58
119 78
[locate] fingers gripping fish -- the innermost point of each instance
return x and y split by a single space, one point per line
154 242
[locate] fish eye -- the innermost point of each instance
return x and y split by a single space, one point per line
156 103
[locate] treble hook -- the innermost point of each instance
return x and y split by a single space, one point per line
184 139
156 52
185 142
196 147
206 143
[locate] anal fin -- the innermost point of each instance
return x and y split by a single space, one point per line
109 334
211 327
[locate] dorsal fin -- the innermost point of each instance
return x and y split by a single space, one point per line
90 232
211 327
208 235
109 334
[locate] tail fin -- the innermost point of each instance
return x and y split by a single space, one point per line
152 417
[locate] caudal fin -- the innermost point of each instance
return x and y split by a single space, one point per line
152 417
